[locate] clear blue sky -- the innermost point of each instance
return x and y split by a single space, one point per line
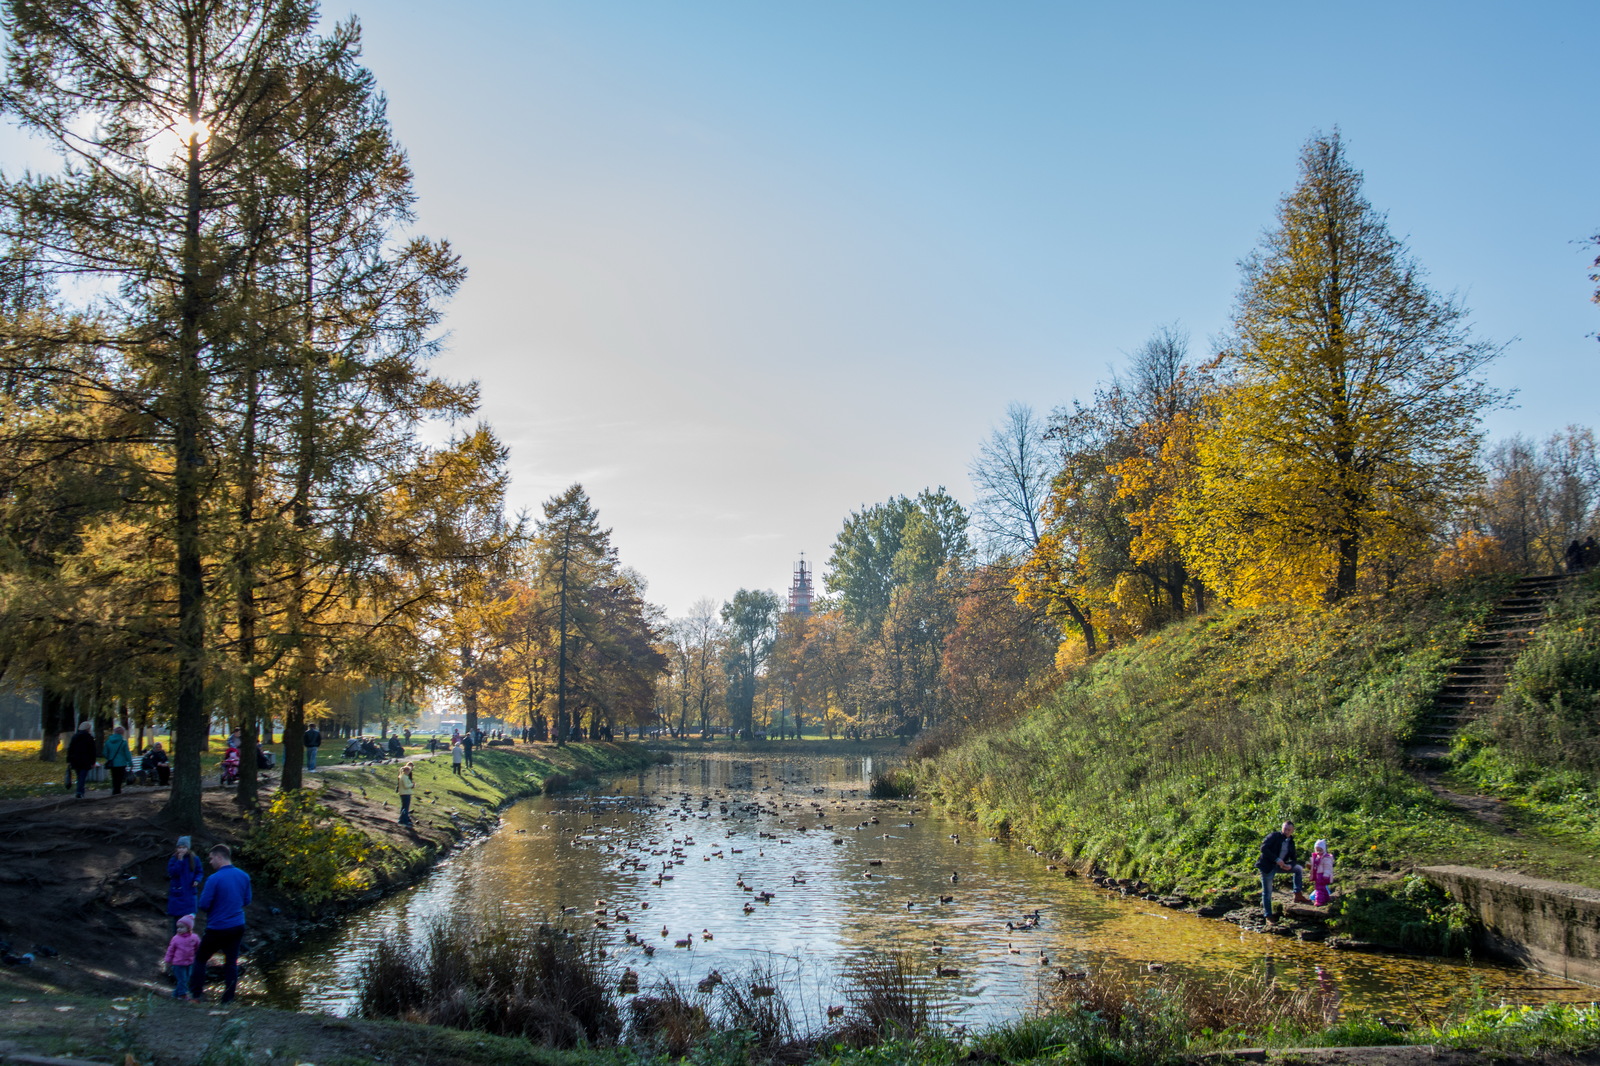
743 267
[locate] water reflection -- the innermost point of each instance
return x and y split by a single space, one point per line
784 864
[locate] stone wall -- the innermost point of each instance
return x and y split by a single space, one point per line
1546 925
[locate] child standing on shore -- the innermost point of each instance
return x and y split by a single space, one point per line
1321 874
180 955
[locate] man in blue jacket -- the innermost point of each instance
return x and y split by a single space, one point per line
225 896
1277 856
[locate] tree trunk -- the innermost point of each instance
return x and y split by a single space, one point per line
55 718
190 723
294 740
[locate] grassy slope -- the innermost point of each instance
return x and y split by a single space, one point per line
1169 759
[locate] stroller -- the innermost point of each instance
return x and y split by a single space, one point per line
230 767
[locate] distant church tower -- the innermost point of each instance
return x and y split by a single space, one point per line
800 589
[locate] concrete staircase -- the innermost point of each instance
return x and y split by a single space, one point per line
1476 681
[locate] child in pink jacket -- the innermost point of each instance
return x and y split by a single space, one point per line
1321 874
180 955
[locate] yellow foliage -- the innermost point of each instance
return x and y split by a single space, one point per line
1472 554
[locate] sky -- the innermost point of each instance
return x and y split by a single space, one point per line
742 268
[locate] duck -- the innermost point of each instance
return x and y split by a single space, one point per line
1013 949
954 877
835 1013
947 899
665 932
1044 960
705 934
946 971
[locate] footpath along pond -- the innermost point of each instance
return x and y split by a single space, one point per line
783 865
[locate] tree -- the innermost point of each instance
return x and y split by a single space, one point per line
751 618
861 567
1536 500
1011 476
576 563
695 641
1350 418
998 652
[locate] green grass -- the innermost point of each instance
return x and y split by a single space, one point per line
1169 759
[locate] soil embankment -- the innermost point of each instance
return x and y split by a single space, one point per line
83 883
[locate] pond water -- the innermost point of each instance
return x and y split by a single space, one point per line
690 847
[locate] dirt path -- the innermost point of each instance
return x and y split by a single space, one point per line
1487 809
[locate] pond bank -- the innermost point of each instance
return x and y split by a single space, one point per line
87 879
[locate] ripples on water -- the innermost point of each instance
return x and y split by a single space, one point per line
848 876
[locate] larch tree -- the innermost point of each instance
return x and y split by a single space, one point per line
1350 417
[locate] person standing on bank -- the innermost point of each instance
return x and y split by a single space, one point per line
456 756
1277 856
313 740
184 874
224 898
119 760
81 755
407 786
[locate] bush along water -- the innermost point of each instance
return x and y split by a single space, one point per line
302 848
1412 914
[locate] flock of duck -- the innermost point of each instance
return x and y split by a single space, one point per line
651 837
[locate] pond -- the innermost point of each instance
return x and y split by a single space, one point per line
783 865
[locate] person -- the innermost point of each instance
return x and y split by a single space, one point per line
457 755
81 756
466 744
230 766
1277 856
180 955
184 874
224 898
396 750
263 759
1321 874
407 786
156 760
119 760
1574 556
313 741
433 744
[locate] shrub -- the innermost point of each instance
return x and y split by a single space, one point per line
496 975
889 999
302 847
1412 913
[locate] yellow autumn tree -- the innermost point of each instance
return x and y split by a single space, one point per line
1350 421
